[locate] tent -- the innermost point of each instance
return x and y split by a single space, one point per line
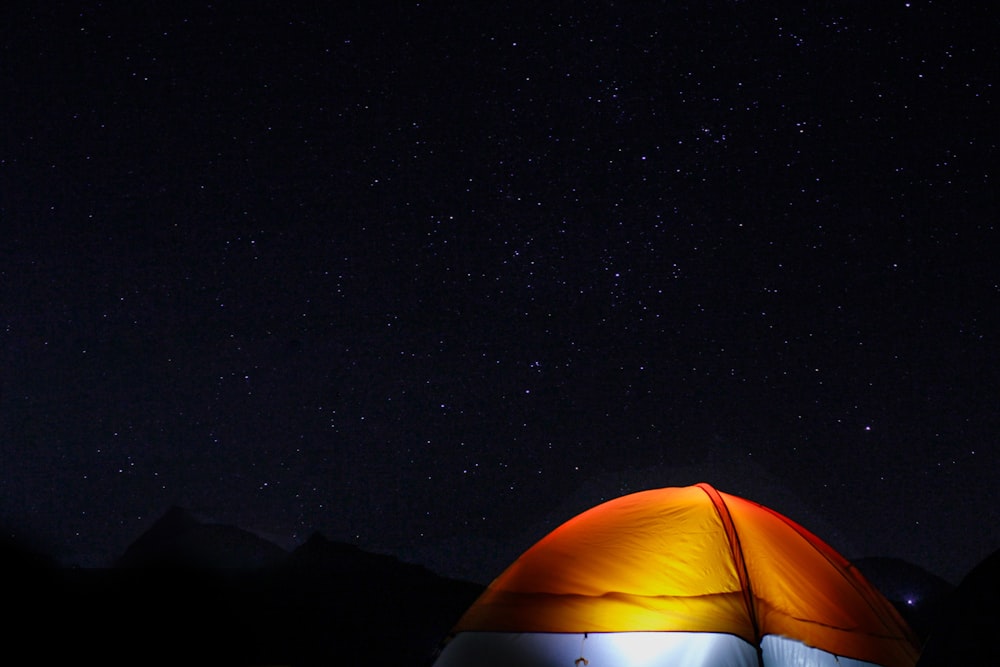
680 576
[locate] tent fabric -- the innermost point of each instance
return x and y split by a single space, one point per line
500 649
635 649
692 560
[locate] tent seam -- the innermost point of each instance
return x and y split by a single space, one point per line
736 551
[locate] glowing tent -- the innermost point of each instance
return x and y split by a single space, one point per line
680 576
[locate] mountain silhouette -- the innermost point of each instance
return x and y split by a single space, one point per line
965 631
181 539
916 593
189 589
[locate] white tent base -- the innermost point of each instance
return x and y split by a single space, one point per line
631 649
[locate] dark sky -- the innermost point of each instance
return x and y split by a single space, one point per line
431 278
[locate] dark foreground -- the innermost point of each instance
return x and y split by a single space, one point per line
368 613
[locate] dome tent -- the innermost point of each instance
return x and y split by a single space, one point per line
682 575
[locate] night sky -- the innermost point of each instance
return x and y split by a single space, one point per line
431 278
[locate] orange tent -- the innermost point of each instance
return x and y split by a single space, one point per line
680 576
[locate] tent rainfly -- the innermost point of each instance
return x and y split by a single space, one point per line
680 576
